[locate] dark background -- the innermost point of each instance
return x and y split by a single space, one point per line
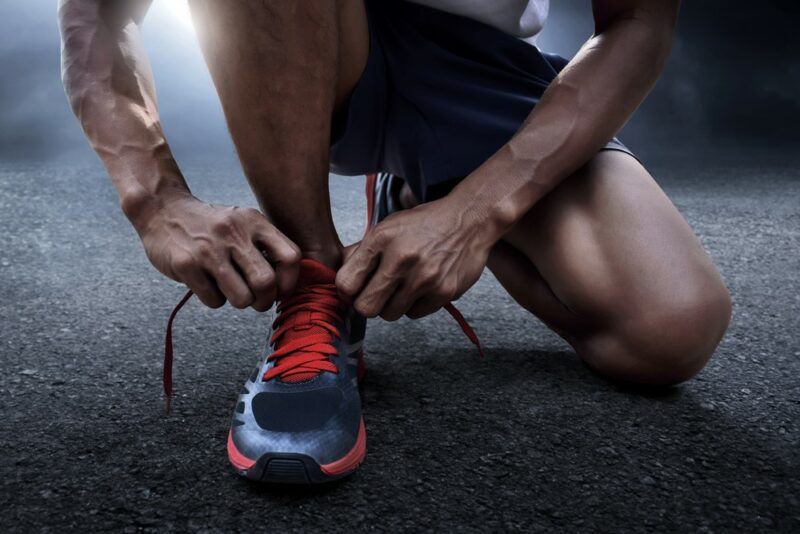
731 83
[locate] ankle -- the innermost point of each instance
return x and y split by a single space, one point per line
330 256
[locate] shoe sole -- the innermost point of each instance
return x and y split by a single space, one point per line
293 468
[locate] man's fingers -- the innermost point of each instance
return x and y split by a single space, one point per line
434 299
418 284
348 251
425 306
233 286
204 287
258 275
379 290
398 304
283 254
184 268
353 275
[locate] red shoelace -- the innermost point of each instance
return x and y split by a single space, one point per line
304 334
465 327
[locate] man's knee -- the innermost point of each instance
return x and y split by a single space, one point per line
665 345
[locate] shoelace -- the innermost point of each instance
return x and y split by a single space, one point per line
166 378
304 355
465 326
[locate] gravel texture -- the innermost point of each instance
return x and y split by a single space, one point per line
525 439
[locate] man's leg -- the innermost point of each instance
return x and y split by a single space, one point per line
281 68
608 262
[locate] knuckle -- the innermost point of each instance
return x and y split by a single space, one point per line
222 225
387 276
291 255
263 281
205 251
365 309
407 259
226 228
427 276
379 235
297 254
182 262
345 284
251 213
221 271
368 248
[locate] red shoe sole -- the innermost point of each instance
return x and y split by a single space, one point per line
287 468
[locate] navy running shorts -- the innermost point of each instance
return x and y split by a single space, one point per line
439 95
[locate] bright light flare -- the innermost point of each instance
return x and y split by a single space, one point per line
180 10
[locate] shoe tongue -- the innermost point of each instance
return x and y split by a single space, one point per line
314 272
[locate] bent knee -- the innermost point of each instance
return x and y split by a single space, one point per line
665 346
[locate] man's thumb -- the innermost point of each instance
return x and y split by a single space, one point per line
349 250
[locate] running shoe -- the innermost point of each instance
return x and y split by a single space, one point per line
298 418
383 193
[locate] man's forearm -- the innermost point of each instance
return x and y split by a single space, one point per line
109 85
589 101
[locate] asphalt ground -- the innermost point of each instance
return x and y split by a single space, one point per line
525 439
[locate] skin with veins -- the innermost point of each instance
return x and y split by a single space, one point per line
587 103
215 250
559 224
280 119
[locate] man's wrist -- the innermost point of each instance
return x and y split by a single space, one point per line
501 191
477 216
485 207
140 206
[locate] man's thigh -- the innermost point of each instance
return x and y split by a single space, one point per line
611 246
353 47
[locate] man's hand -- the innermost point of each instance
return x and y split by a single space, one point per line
415 261
215 250
219 252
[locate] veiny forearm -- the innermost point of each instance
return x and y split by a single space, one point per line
109 84
587 103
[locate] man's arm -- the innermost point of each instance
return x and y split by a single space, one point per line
109 84
586 105
416 261
215 250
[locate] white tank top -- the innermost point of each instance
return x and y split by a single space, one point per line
520 18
